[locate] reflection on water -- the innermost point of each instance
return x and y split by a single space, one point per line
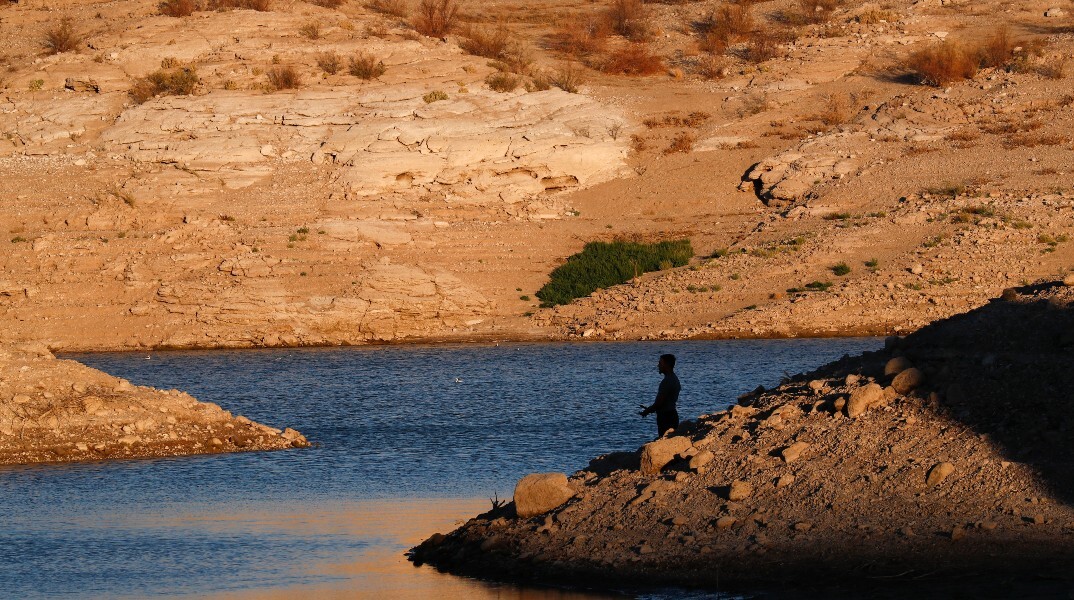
397 429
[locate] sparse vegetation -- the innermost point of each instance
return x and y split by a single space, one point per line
813 286
632 59
61 37
630 19
839 216
164 82
365 66
840 269
436 18
582 37
435 96
681 143
502 82
568 79
284 78
330 62
872 264
310 30
223 5
395 8
327 3
603 264
177 8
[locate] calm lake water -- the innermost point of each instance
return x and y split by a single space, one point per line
410 440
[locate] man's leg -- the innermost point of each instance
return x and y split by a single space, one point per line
666 421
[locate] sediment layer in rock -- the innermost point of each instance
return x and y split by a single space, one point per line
957 478
59 410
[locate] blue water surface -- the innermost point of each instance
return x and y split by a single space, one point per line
387 422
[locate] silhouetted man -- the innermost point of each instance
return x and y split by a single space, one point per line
666 396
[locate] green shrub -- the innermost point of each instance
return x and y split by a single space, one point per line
840 269
604 264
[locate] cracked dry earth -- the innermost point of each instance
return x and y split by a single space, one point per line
937 466
55 410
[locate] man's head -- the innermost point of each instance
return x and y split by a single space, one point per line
666 364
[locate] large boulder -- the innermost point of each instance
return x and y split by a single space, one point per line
897 365
908 380
539 493
656 455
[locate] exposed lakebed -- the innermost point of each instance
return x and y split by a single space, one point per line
408 440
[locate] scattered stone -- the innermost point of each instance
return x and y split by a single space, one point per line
740 490
701 459
539 493
82 446
988 525
784 480
938 473
852 380
864 398
908 380
794 451
656 455
20 399
957 533
725 522
803 526
1069 280
1054 12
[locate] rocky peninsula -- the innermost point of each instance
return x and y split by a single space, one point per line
54 410
939 465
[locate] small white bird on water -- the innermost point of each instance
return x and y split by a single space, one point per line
458 380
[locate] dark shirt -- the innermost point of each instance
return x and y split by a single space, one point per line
666 395
668 392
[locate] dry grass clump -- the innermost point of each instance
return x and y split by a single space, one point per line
725 25
177 8
310 30
812 12
634 58
693 120
284 78
943 63
394 8
583 36
761 48
330 62
436 18
435 96
951 61
838 109
223 5
327 3
874 15
681 143
497 43
366 66
503 82
61 37
711 67
164 82
569 79
630 19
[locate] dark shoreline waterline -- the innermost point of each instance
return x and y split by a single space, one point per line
489 339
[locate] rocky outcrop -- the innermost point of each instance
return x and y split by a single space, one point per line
963 479
59 411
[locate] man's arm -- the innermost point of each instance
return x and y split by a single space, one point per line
658 404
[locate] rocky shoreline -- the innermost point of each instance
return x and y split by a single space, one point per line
55 410
937 466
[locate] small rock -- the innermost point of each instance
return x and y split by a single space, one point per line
818 386
129 440
957 532
938 473
21 399
917 269
82 447
852 379
740 490
79 388
988 525
794 451
908 380
1054 12
1069 280
645 549
725 523
1037 519
216 442
678 521
701 459
784 481
803 526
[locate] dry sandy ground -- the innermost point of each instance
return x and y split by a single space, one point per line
939 467
61 411
351 211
